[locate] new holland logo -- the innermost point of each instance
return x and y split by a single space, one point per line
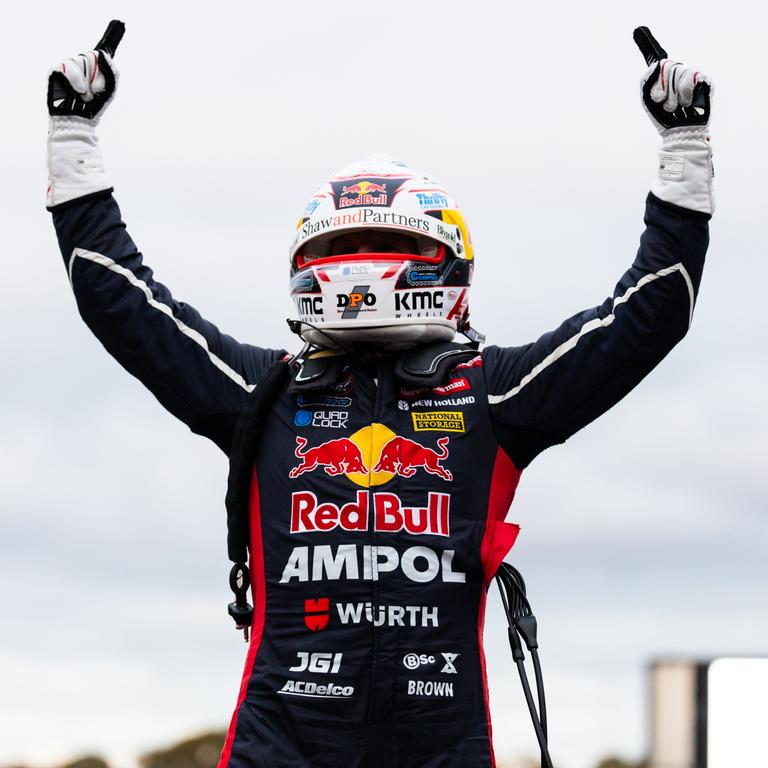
438 421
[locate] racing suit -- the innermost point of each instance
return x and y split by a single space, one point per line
377 512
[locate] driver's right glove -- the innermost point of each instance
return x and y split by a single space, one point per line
670 93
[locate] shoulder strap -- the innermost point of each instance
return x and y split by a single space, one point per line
427 364
245 440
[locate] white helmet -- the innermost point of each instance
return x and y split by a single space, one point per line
412 292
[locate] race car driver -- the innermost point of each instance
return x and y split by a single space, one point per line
381 482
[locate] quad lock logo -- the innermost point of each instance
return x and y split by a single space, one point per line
322 418
375 454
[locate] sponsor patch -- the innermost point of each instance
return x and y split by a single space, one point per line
431 200
423 274
411 303
459 384
353 456
358 300
352 562
413 661
427 402
370 191
311 401
316 690
424 616
389 615
318 662
355 269
454 385
309 305
388 514
438 421
449 668
430 688
316 614
328 419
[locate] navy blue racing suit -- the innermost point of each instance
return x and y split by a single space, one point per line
377 511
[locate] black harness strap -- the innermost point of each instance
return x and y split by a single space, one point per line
242 454
245 441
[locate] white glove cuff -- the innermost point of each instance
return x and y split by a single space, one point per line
75 167
685 170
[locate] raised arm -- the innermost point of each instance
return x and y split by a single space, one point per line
199 374
541 393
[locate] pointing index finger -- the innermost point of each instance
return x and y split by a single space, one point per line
648 45
111 37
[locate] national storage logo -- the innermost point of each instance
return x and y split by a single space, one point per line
438 421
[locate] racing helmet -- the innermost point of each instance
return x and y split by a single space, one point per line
381 254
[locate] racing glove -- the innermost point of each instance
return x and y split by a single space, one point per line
79 91
678 98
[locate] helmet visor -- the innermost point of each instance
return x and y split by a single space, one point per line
370 244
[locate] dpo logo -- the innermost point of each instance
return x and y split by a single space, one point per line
355 299
372 456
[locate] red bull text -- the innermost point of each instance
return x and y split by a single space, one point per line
363 193
390 515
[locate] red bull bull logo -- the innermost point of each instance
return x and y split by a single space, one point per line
372 456
403 457
363 193
336 457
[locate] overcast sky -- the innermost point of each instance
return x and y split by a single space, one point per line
645 534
